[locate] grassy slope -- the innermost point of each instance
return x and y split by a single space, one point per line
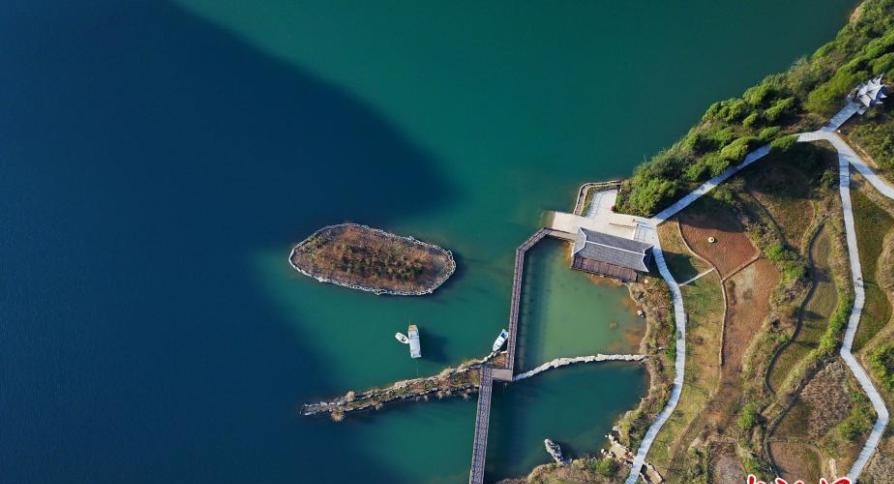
704 305
872 224
815 317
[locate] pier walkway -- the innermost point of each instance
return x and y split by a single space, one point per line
515 302
482 420
488 373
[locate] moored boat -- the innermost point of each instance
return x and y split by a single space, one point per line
555 452
402 338
501 340
415 348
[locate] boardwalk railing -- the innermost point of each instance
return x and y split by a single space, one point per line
517 280
482 421
586 188
482 417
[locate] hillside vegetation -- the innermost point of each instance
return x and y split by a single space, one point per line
799 99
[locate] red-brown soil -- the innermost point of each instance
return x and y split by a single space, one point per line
731 249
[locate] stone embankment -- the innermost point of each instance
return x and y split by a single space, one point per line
560 362
460 381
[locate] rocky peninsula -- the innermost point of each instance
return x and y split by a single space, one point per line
368 259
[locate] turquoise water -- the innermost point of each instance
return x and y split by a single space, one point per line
569 313
159 159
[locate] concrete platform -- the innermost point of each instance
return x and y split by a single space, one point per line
502 374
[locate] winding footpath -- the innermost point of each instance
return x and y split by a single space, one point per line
846 157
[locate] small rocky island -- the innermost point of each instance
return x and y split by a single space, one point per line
368 259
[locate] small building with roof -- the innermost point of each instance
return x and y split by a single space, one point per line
609 255
868 94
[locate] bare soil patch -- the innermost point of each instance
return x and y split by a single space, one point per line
796 461
748 301
726 468
823 403
710 218
373 260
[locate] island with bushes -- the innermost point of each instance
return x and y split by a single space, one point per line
369 259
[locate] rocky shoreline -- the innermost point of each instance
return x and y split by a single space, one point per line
463 380
327 278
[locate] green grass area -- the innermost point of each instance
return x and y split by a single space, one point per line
704 305
872 223
881 362
681 262
815 314
875 134
799 99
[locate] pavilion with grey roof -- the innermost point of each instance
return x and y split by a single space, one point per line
609 255
868 94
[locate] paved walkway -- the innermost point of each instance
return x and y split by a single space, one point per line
679 363
710 185
846 157
697 277
842 116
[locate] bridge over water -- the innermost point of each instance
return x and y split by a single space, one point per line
488 373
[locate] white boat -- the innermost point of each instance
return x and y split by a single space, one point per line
402 338
415 348
555 452
501 340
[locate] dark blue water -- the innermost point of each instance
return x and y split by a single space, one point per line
144 154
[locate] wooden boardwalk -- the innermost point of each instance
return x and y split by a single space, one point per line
488 374
517 280
482 421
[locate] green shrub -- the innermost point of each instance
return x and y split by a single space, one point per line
859 422
736 151
748 417
696 172
730 110
721 137
830 339
775 252
751 120
767 134
784 143
760 94
883 64
649 194
606 467
881 361
780 109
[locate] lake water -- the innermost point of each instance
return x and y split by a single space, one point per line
158 159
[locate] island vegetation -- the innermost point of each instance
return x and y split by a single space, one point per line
800 99
373 260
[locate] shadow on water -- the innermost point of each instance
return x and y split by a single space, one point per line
434 345
146 155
